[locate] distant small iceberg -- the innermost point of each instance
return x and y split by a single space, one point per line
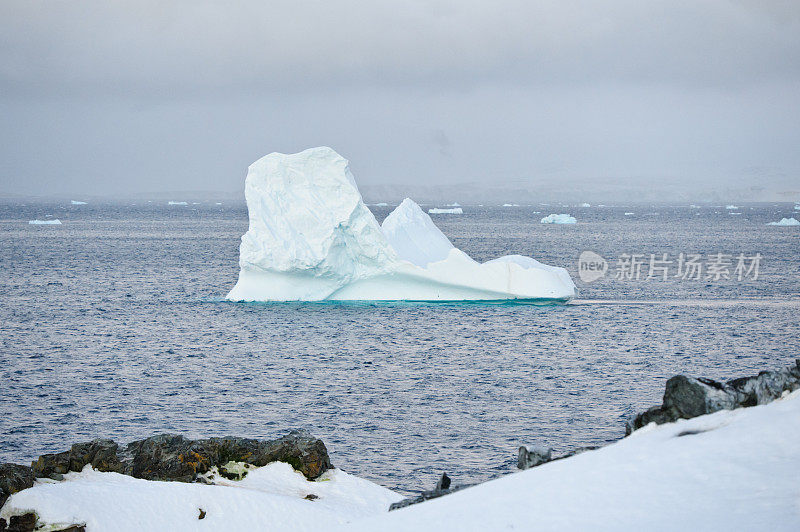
381 204
629 213
586 204
510 205
45 222
797 207
455 204
456 210
559 219
731 207
786 222
73 202
177 203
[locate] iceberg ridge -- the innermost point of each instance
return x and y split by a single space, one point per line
312 238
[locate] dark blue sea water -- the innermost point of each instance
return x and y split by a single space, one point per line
113 324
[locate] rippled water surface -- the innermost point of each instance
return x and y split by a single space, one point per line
113 325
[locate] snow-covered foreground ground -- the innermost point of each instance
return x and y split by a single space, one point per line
732 470
268 498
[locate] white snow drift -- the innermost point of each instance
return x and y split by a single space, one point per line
786 222
559 219
312 238
272 497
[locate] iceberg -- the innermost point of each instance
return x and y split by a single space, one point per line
786 222
456 210
510 205
45 222
312 238
586 205
731 207
558 219
629 213
73 202
177 203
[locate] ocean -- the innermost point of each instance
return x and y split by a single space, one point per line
114 324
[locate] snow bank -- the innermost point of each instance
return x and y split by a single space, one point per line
558 219
786 222
272 497
455 210
45 222
73 202
312 238
732 470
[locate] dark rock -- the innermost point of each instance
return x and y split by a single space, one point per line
311 497
100 453
202 514
21 523
48 464
443 487
168 457
686 397
14 478
533 456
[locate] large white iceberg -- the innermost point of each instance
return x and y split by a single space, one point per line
786 222
312 238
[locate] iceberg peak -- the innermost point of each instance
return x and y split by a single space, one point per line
312 238
414 236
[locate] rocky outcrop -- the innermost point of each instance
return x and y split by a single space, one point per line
687 397
14 478
443 487
173 457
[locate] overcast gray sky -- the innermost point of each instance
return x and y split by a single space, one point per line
118 97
